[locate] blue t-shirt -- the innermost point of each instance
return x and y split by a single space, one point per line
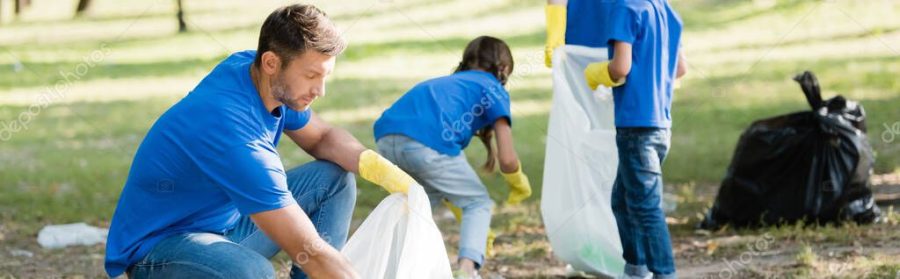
444 113
208 159
586 22
654 30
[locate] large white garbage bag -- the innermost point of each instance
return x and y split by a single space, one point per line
399 239
580 167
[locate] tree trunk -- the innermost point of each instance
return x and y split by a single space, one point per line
82 6
21 5
182 26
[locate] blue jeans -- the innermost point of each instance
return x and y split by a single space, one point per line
636 202
451 178
325 191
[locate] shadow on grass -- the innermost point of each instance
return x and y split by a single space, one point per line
46 73
702 15
507 7
41 74
872 32
432 45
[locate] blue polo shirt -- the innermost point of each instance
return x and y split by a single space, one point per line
444 113
586 22
653 29
208 159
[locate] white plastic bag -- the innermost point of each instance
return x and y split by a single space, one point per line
580 167
399 239
59 236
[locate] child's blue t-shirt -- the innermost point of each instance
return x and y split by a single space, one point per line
444 113
208 159
653 29
586 22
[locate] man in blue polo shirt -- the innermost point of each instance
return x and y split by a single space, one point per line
207 195
644 39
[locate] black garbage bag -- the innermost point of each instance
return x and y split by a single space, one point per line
811 166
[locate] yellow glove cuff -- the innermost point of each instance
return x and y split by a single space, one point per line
378 170
598 74
513 176
519 186
556 30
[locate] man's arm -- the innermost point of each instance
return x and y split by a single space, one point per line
292 230
329 143
325 142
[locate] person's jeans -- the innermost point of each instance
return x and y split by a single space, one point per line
636 202
449 177
325 191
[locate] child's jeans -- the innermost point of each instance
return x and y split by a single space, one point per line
449 177
636 202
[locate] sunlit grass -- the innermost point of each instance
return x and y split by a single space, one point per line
70 163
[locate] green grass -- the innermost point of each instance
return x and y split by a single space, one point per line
71 162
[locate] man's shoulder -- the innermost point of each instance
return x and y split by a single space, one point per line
228 83
233 70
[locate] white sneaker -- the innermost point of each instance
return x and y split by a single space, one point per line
626 276
462 274
572 272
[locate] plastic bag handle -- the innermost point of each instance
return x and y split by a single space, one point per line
810 86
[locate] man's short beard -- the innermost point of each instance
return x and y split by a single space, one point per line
280 91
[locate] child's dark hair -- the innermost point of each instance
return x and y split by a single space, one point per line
488 54
491 55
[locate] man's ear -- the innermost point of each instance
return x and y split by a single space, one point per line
270 63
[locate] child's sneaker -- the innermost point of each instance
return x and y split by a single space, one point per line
571 272
462 274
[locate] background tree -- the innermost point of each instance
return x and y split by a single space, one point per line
82 6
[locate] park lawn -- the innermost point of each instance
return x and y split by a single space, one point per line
71 161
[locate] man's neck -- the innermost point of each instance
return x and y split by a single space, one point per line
261 82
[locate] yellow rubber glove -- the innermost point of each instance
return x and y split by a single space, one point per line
598 74
457 212
556 31
519 187
378 170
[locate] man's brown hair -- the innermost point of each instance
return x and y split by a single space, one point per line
291 30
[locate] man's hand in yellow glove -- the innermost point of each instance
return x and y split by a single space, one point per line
597 74
519 187
556 31
378 170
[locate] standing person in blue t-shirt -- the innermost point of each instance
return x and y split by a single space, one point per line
207 195
645 45
575 22
425 131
